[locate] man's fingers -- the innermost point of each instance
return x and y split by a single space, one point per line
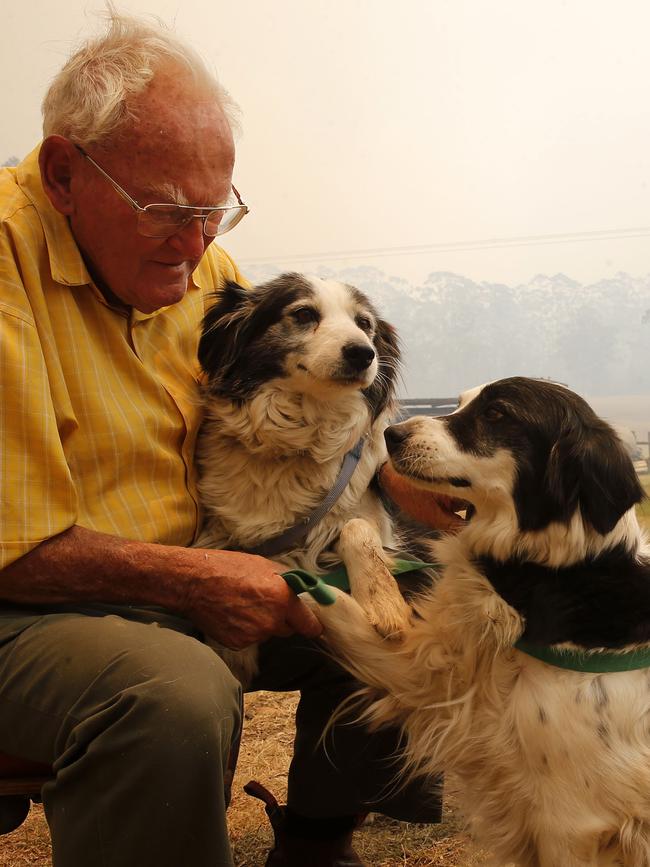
302 620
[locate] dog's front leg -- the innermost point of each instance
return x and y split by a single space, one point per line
371 582
358 646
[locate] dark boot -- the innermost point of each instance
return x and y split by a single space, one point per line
13 812
291 850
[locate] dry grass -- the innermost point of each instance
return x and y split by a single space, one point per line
265 754
266 750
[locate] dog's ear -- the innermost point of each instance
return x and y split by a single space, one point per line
590 468
382 391
222 329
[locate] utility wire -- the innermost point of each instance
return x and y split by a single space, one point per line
455 246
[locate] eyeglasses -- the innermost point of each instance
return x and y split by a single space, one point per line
163 220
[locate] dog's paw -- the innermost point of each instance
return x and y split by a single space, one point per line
340 618
390 621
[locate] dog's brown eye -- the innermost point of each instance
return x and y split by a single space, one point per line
493 413
364 323
305 315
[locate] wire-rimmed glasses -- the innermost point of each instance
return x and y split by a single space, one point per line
160 220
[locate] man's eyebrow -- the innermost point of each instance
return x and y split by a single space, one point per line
167 193
171 194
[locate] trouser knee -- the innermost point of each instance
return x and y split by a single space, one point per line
184 717
173 701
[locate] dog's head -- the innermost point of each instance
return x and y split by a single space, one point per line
522 443
310 335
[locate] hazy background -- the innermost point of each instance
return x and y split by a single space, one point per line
481 167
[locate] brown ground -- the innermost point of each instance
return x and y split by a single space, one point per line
265 756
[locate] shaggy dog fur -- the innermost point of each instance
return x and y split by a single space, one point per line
554 764
296 372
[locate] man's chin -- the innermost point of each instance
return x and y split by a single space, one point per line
162 300
161 294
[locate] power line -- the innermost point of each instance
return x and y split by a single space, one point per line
455 246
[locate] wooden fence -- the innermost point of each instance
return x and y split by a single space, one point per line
427 406
646 443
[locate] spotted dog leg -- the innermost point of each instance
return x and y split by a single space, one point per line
371 583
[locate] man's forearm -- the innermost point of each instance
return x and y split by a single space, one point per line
233 597
83 565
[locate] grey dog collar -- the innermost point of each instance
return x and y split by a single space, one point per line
288 539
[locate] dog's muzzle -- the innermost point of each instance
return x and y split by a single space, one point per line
396 436
358 356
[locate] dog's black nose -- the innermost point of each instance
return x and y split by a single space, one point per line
358 355
395 436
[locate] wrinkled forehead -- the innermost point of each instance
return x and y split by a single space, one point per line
155 154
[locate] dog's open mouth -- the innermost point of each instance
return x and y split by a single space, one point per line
454 506
430 507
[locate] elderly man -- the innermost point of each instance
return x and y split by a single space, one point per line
106 262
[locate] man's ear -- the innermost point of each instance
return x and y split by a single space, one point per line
57 159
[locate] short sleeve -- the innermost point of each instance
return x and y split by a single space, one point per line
37 493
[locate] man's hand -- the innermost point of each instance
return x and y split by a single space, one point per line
431 509
240 599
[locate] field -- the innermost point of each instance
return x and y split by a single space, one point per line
265 756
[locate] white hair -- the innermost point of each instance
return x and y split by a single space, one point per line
90 98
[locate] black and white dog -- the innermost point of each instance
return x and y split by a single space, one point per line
552 570
298 372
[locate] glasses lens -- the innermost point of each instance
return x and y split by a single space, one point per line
160 221
220 222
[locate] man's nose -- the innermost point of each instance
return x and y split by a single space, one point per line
191 240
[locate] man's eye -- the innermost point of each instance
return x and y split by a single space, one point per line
305 315
364 323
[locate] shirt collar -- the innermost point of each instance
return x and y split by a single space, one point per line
66 262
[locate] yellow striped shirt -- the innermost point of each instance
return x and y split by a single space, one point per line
99 407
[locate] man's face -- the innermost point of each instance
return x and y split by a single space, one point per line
180 141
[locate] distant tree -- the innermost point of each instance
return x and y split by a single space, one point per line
12 161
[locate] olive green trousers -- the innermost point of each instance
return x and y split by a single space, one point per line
139 717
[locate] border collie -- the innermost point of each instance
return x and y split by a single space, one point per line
553 764
297 372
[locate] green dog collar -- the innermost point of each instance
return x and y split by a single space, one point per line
318 586
593 662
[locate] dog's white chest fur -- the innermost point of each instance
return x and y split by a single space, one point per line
266 464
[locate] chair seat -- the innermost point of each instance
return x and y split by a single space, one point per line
12 766
21 776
